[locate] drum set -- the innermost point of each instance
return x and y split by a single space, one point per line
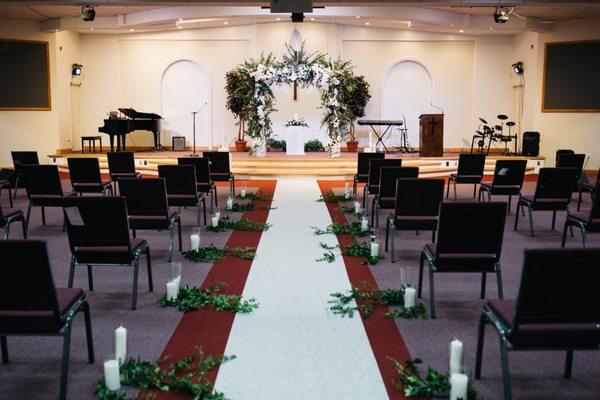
499 133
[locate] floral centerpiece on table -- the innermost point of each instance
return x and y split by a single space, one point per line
296 121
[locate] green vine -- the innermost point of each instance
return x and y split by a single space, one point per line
331 197
193 298
336 228
433 384
214 253
186 376
361 250
244 224
349 210
259 196
241 207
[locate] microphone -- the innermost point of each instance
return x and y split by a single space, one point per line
436 107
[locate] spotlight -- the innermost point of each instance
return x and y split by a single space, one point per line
76 69
501 15
88 13
518 67
298 17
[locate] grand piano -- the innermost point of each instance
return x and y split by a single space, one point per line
135 121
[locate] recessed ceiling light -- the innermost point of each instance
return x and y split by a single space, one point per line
179 27
225 23
278 19
312 19
91 29
451 25
180 19
461 31
491 28
131 30
367 23
358 17
56 30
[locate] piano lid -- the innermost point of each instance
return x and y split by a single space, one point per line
131 113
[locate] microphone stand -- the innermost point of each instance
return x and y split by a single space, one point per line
194 129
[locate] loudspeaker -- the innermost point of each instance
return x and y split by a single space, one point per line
178 143
531 144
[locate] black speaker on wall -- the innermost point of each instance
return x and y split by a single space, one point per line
531 144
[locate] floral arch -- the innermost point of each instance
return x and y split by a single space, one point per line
255 77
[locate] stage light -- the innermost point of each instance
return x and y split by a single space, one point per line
76 69
518 67
501 15
88 13
298 17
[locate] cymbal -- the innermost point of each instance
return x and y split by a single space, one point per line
502 117
498 127
483 120
510 123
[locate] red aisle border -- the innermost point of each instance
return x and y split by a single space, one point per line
384 336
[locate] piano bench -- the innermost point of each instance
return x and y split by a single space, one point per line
91 140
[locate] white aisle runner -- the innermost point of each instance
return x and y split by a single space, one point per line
292 346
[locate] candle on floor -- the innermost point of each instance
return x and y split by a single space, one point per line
243 193
374 249
121 344
195 239
364 224
356 207
410 297
172 289
215 222
347 189
218 214
229 204
458 386
112 379
456 356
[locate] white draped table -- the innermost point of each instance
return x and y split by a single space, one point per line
295 136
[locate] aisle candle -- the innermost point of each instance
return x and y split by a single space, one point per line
356 207
229 204
410 297
374 249
456 356
364 224
112 379
121 344
243 193
218 214
172 289
458 386
195 241
215 222
347 190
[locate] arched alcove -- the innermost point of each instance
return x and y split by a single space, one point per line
407 92
185 87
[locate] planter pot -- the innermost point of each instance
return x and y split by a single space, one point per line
240 145
352 146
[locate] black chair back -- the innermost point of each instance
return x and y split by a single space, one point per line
42 180
201 165
180 179
594 217
546 274
555 183
375 166
84 170
509 173
26 283
363 162
418 197
560 153
120 162
389 177
471 228
219 161
471 164
575 161
20 158
145 196
97 221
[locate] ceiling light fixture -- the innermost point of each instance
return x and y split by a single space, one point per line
358 17
179 19
131 30
367 23
225 23
518 67
278 19
461 31
88 13
501 15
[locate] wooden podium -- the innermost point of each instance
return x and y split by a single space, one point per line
431 135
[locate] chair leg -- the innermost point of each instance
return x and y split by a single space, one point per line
420 284
64 375
71 272
170 251
480 340
43 215
578 200
448 189
364 195
431 293
474 190
88 332
584 236
509 202
179 233
16 187
393 245
10 199
519 208
569 364
136 267
553 219
24 227
354 187
483 282
373 212
433 236
233 185
90 277
204 208
564 236
387 234
531 231
198 216
6 231
4 349
505 368
28 215
216 196
455 197
479 195
149 265
134 233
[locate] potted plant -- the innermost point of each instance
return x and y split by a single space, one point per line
238 87
355 96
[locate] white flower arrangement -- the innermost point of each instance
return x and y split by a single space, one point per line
296 121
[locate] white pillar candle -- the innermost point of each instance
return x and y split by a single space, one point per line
121 344
112 379
410 298
364 224
218 214
195 241
356 207
229 204
215 222
458 386
346 187
172 289
456 356
243 193
374 249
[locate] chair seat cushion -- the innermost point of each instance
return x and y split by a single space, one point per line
461 262
203 187
92 187
545 335
39 321
502 189
152 221
416 222
221 176
50 200
466 178
108 254
546 204
184 199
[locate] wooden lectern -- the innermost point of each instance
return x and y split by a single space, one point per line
431 135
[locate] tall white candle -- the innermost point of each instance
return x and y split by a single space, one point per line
458 386
410 298
374 249
356 207
346 187
172 289
215 222
243 193
364 224
121 344
218 214
229 204
456 356
195 241
112 379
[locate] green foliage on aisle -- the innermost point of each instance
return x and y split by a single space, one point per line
336 228
241 207
193 298
214 253
360 250
349 210
244 224
186 376
254 196
328 255
433 385
369 299
331 197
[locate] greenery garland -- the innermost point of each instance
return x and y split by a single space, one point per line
258 196
335 228
214 253
193 299
349 210
186 376
360 250
241 207
244 224
331 197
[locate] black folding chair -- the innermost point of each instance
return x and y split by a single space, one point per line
42 183
362 168
181 187
417 204
575 161
5 183
552 193
20 158
541 320
469 239
508 180
220 168
98 231
470 171
121 164
560 153
148 207
372 186
585 186
10 215
203 182
587 222
386 198
86 178
30 304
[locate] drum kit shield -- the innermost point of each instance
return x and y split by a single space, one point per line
494 133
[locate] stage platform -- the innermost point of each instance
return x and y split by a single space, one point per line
312 164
